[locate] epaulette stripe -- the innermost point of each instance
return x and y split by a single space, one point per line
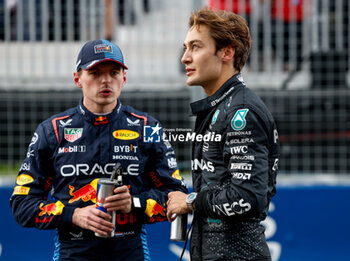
54 124
139 116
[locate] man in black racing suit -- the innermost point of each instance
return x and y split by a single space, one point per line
235 152
70 151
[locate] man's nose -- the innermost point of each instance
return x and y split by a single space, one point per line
106 77
185 58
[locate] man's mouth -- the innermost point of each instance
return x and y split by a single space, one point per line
189 71
106 92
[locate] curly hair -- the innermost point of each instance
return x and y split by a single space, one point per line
226 28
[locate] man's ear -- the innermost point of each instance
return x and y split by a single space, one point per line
76 79
228 53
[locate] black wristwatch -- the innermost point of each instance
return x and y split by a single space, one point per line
190 199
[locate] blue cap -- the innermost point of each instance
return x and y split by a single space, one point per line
97 51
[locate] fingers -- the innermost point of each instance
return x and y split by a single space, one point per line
100 215
93 219
170 207
176 204
121 205
100 223
120 201
122 189
170 215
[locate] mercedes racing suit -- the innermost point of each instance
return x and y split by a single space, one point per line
234 166
65 158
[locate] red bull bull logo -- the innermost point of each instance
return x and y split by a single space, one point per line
176 175
101 120
153 208
85 193
51 209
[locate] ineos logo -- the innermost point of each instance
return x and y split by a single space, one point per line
202 165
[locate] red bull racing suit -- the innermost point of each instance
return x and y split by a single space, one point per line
234 167
67 155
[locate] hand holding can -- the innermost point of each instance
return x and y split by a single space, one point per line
105 188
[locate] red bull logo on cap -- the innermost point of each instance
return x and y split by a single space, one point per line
85 193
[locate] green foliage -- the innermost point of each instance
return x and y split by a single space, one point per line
9 169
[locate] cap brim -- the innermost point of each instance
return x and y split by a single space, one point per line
95 62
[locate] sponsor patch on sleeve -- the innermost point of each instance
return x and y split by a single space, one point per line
238 121
24 179
154 208
51 209
20 190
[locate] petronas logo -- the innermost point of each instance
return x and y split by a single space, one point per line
238 121
215 117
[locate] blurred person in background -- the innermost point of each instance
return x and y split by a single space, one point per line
234 175
287 24
242 7
69 152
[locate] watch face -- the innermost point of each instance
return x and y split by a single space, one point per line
191 197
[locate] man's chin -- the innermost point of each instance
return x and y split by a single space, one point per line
191 83
107 101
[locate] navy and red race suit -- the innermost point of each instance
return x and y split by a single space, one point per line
69 152
234 168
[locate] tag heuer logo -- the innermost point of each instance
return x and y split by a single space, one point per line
72 134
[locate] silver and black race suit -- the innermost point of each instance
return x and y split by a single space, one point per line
234 166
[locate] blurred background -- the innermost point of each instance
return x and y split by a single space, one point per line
299 65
